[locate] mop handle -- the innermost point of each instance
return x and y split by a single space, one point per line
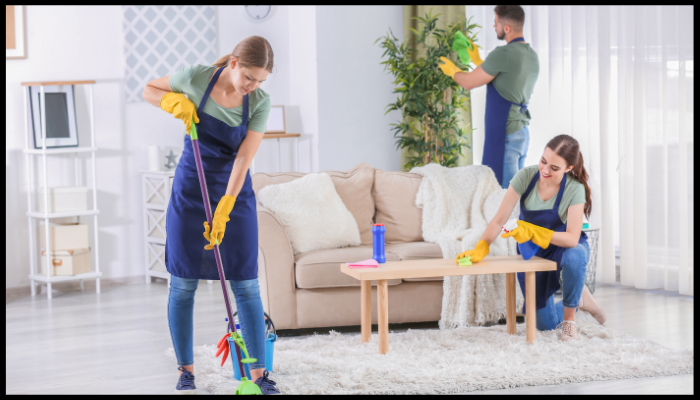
207 209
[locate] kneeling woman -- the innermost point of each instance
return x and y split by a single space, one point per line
553 197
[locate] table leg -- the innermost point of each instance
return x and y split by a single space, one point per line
279 154
383 315
296 153
531 309
510 303
366 310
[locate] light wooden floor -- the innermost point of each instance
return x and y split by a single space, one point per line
80 342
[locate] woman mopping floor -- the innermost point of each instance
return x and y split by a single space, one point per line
553 197
230 129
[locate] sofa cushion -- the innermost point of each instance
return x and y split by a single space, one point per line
395 200
321 268
415 251
312 214
353 186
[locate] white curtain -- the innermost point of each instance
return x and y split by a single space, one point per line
620 80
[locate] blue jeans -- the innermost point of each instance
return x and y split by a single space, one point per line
515 153
250 314
573 275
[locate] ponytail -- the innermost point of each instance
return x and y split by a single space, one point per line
567 148
579 172
223 61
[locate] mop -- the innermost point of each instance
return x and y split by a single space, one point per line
246 386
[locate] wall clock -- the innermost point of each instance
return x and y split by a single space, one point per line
258 13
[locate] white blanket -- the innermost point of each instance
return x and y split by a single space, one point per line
458 204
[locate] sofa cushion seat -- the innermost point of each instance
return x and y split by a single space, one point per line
416 251
321 268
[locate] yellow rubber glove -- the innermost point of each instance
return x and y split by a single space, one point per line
448 68
527 231
478 253
223 209
474 53
180 107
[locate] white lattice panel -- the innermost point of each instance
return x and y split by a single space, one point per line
155 223
159 40
155 257
156 190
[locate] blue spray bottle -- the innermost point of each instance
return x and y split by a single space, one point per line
378 242
527 249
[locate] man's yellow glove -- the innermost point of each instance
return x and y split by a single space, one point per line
448 68
223 209
527 231
180 107
478 253
474 53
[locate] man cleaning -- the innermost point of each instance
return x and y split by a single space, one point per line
510 73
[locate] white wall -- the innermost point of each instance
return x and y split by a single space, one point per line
302 112
71 43
233 26
354 89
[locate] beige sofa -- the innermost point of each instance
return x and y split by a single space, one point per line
308 290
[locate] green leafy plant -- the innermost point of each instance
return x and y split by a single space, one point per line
428 99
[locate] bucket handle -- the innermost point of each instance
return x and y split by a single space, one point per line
274 329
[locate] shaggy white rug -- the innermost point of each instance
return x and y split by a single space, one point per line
450 361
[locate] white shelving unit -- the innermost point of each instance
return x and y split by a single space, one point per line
156 188
29 151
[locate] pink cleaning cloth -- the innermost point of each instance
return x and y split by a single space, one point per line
371 263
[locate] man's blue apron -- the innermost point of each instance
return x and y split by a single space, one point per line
546 282
495 123
185 256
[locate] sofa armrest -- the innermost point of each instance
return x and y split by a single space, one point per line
276 270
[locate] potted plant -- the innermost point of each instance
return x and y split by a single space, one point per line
428 99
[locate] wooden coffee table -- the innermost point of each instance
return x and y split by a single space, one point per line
508 265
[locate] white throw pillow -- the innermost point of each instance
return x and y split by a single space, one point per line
312 213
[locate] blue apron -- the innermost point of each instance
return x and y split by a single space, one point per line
185 256
546 282
495 122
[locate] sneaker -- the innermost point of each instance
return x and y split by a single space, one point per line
186 383
568 331
590 306
267 386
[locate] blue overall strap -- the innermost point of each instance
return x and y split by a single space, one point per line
529 189
208 91
245 111
523 106
562 186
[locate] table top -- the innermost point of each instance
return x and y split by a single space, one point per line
281 135
448 267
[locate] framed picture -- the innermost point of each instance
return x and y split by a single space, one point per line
15 32
275 121
61 127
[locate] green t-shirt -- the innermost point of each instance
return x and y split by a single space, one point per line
574 192
193 82
515 67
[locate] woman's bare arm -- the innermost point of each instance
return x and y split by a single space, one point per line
244 158
494 228
155 90
574 222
